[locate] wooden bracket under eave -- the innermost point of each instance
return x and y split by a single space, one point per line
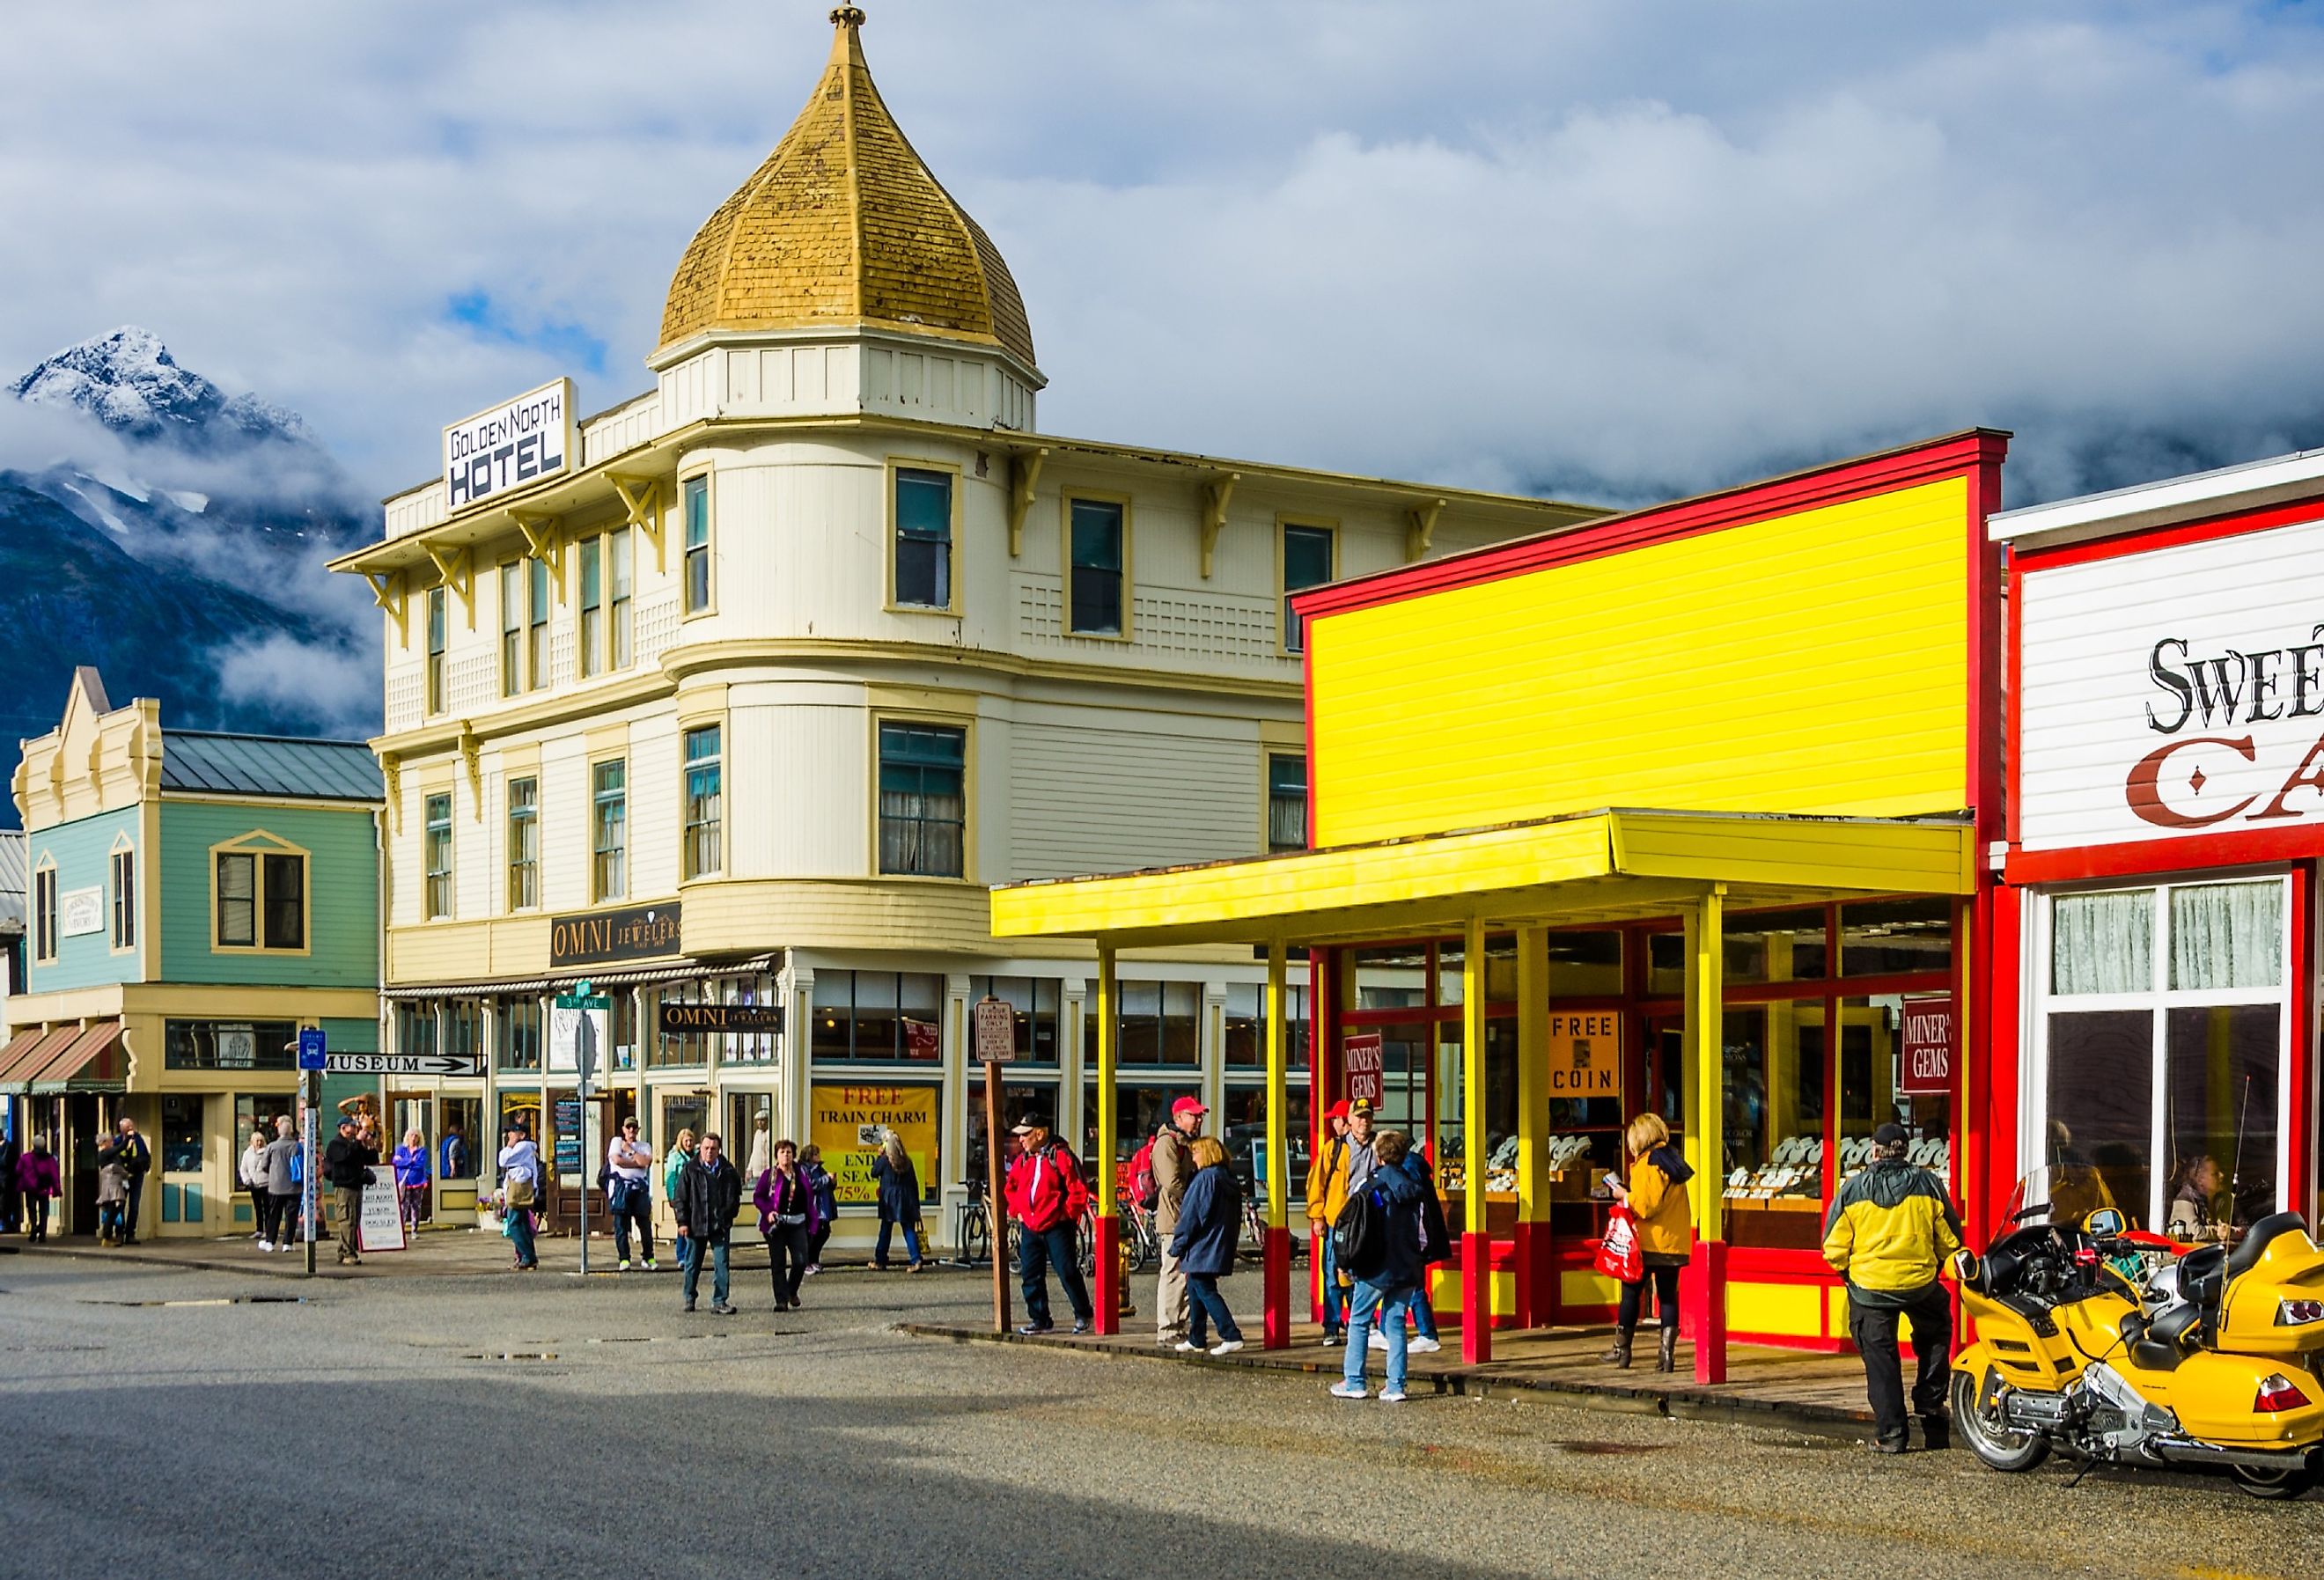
457 570
390 771
387 592
1024 475
1215 495
641 497
471 749
540 542
1419 528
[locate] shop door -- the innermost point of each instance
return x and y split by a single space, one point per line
1661 1083
83 1124
413 1111
577 1134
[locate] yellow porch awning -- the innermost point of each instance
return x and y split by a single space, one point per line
1592 867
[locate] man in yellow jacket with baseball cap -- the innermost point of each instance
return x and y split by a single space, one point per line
1890 1231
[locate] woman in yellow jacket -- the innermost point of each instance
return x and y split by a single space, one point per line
1657 1197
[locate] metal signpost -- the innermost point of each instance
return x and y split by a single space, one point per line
313 1060
996 1045
581 1023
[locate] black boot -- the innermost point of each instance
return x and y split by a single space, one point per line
1618 1357
1667 1361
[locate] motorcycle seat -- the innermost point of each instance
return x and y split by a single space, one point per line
2259 1237
2158 1345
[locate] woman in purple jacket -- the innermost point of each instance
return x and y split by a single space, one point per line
789 1218
37 1177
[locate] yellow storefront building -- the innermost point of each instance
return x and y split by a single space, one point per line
1696 795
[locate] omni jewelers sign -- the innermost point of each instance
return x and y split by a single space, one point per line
516 443
2175 692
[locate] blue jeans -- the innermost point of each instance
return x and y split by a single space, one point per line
1210 1309
637 1207
1335 1299
1390 1305
519 1234
911 1240
1039 1250
694 1251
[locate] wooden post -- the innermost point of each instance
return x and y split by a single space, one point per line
1706 1146
998 1208
1106 1294
1476 1244
1275 1256
1536 1304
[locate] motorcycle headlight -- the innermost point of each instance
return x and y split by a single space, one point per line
2293 1312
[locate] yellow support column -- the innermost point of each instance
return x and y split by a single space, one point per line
1107 1295
1476 1246
1706 1079
1275 1262
1536 1302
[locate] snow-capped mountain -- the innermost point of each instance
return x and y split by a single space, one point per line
175 535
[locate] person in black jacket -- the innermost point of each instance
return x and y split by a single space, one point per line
346 1165
709 1194
1388 1277
127 1150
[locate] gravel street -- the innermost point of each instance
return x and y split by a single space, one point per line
179 1422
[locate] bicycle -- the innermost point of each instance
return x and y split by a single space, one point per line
1139 1243
974 1233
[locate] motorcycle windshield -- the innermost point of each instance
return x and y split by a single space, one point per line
2056 1193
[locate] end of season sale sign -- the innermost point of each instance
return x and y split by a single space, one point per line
848 1121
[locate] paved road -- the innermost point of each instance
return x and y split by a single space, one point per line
154 1424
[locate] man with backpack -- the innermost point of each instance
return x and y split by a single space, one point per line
1382 1239
1160 1174
1045 1193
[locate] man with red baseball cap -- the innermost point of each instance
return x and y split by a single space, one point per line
1174 1170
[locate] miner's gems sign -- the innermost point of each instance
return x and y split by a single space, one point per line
514 445
2175 692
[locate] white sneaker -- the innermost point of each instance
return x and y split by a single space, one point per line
266 1246
625 1265
1344 1389
649 1265
1185 1346
1421 1346
1226 1347
1391 1396
1378 1341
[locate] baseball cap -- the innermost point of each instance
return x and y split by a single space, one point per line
1338 1110
1187 1105
1891 1135
1362 1105
1031 1121
347 1122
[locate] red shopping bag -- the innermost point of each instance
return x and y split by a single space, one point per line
1617 1253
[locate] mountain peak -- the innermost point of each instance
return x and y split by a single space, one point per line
128 381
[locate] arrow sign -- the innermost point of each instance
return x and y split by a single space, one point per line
404 1064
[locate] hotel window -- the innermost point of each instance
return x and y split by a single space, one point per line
877 1015
262 899
1093 598
1160 1024
621 573
523 844
124 899
511 628
697 496
1035 1001
592 607
437 856
609 829
922 538
536 632
2164 1014
923 809
703 816
1286 802
1308 553
44 914
439 634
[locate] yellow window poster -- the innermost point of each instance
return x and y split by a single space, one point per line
848 1123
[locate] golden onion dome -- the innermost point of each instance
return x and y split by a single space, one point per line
843 225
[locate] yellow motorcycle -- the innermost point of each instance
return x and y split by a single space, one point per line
2102 1343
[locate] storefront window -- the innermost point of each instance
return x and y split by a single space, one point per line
1776 1078
1160 1024
877 1016
1500 970
680 1110
461 1150
2220 1065
1666 965
1585 965
464 1028
848 1120
229 1045
2101 1100
415 1026
1246 1026
182 1133
1887 938
2226 936
1035 1001
1018 1101
1139 1112
1775 945
1393 978
258 1110
519 1034
2102 942
1241 1123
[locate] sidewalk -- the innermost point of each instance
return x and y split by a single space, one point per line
1765 1386
432 1253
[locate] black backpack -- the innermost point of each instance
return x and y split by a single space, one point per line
1359 1237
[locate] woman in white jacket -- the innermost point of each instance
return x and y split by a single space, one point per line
251 1171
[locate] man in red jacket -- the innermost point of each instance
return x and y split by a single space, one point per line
1047 1195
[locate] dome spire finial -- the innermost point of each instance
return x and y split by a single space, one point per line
849 16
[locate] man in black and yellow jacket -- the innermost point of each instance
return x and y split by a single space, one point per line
1891 1231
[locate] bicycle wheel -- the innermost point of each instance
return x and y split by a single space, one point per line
1137 1244
975 1235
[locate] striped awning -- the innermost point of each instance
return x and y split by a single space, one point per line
30 1050
641 976
93 1062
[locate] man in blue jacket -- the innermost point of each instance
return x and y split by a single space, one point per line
1387 1270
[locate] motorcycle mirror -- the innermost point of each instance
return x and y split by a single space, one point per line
2105 1223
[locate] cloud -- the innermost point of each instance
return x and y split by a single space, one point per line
328 687
1595 248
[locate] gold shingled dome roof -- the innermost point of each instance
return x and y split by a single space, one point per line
843 225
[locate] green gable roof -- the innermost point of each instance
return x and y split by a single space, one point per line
270 765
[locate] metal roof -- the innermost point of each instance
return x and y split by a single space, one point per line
12 879
270 765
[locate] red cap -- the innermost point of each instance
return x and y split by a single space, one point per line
1338 1110
1187 1105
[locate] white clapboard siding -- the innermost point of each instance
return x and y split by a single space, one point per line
1103 797
564 824
801 805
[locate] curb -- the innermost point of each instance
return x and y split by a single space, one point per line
1685 1404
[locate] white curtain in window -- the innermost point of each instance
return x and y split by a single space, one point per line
2227 935
2102 942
